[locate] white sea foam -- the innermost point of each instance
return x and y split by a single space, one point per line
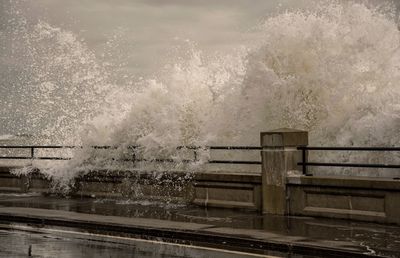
332 70
7 137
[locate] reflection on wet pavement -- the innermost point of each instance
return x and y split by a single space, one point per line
30 242
375 238
137 209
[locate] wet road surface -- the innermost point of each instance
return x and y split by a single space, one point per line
25 241
373 238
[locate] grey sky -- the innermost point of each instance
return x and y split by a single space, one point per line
151 27
147 30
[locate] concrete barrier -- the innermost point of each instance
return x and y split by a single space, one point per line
279 157
287 192
228 190
209 189
364 199
280 189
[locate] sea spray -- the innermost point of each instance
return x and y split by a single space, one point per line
58 82
332 70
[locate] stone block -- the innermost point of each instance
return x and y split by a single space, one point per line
284 137
364 199
279 157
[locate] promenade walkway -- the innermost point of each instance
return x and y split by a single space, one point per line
219 228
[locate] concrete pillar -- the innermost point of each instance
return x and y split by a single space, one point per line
279 156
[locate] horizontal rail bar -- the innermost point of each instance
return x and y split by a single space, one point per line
235 162
234 147
190 160
52 158
350 148
194 148
55 147
147 160
38 147
129 147
207 147
188 147
42 158
10 157
163 160
317 164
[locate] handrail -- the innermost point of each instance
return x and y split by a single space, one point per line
129 147
305 163
134 159
349 148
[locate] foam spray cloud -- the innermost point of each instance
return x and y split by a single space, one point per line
332 70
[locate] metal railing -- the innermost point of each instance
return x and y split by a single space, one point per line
305 163
33 150
304 160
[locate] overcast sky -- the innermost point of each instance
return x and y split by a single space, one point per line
150 28
146 30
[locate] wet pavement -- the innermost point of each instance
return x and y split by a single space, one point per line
24 241
383 240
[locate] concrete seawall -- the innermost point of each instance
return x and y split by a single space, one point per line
362 199
211 189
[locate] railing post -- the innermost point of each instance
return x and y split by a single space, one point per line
279 156
195 156
304 160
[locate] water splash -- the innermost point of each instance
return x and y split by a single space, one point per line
332 70
58 81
